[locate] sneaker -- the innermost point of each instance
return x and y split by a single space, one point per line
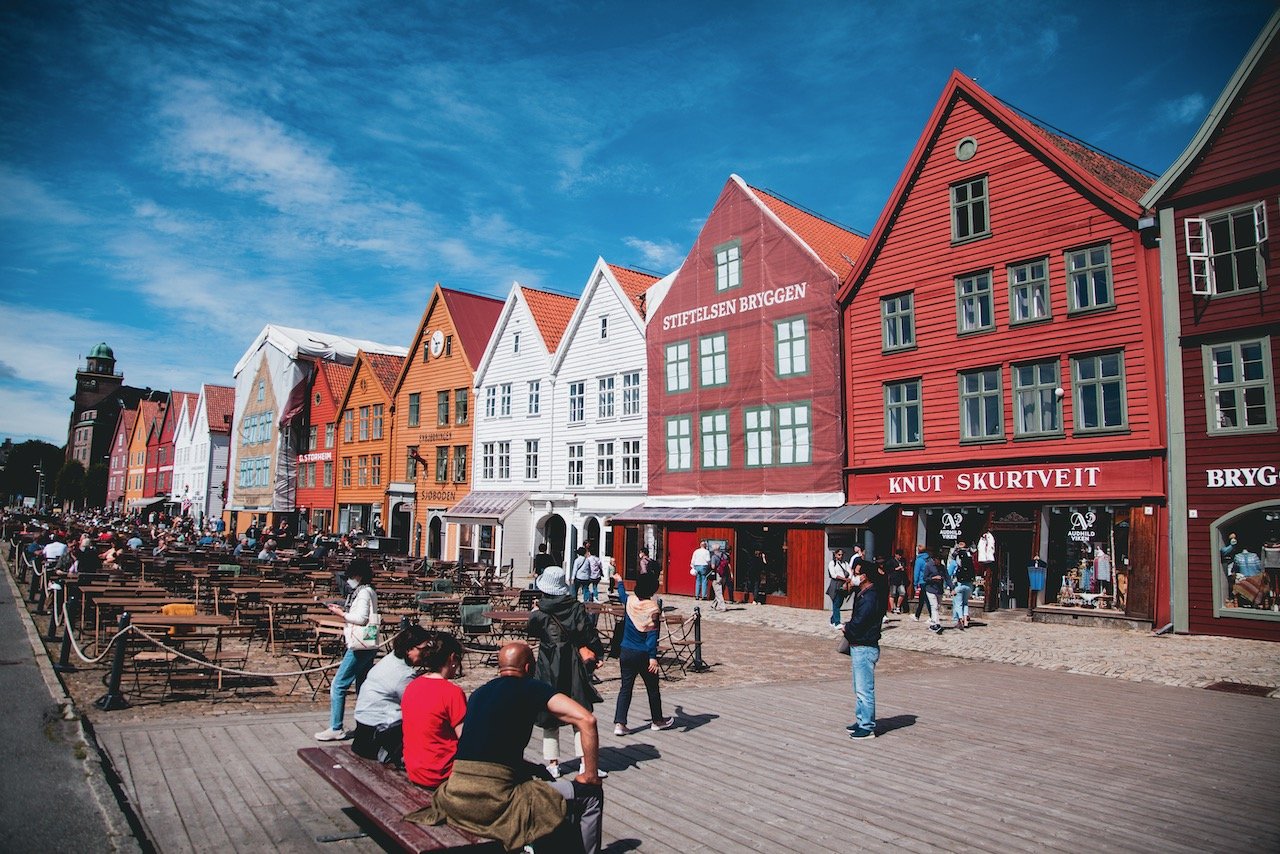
331 735
915 617
858 733
553 768
936 628
621 729
851 727
663 724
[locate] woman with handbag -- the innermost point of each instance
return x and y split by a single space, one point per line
360 616
568 649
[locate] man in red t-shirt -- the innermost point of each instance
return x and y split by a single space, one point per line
433 709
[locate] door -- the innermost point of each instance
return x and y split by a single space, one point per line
1013 555
680 548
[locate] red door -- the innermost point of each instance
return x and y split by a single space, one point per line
680 548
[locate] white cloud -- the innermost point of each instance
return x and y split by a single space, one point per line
659 255
1185 110
27 414
24 198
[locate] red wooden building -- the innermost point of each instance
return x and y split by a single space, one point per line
745 429
118 466
317 463
1003 375
1220 269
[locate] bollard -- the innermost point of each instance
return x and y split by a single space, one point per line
698 665
113 699
35 579
404 622
51 633
41 598
64 664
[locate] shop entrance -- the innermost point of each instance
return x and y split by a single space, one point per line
1014 550
680 548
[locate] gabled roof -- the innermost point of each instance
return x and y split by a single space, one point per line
1222 109
1112 184
336 377
147 411
834 244
219 407
302 342
634 284
385 369
474 317
603 274
127 417
179 402
551 312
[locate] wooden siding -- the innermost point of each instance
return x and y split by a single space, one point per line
365 390
323 411
806 567
1036 211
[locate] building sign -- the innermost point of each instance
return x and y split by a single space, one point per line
1082 524
1242 477
438 436
319 456
951 524
740 305
447 495
1077 482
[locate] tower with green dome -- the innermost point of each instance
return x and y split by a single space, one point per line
99 396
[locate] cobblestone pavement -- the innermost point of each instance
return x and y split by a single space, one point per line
1011 638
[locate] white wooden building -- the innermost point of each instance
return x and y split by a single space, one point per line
201 447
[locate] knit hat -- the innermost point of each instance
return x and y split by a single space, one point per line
552 582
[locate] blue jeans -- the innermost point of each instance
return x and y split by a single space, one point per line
354 667
837 601
593 590
960 601
700 581
862 663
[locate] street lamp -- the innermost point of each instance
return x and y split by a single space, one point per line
39 467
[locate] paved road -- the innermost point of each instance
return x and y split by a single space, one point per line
51 783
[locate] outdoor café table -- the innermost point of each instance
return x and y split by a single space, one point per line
177 621
509 622
285 599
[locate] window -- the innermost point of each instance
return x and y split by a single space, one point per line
793 434
535 397
981 406
680 443
576 453
491 402
630 462
328 473
442 408
969 209
1089 278
330 435
375 469
577 402
728 265
1098 383
791 347
448 345
530 459
515 342
313 437
442 464
1225 250
1029 291
974 309
462 404
604 327
363 464
1239 387
504 461
897 322
1037 407
902 414
713 360
631 393
604 463
415 404
262 390
504 400
364 423
348 421
758 434
605 397
411 463
377 421
459 463
677 362
486 460
715 440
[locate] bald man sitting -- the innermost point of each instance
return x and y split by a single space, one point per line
495 793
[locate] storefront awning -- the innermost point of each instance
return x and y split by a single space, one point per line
135 503
855 514
725 515
485 508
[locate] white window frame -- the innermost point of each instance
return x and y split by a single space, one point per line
713 360
491 401
1240 385
531 459
1198 243
535 397
504 401
630 462
676 359
630 394
713 439
728 261
679 432
577 401
604 463
504 461
576 460
606 396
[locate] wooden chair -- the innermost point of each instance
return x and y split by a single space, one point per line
675 649
477 632
326 647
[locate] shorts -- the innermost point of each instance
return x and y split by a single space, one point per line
897 590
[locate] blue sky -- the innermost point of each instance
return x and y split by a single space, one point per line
175 175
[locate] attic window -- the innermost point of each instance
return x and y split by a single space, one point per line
966 148
515 343
1224 250
728 265
604 326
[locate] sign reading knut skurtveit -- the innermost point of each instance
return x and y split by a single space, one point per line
1066 482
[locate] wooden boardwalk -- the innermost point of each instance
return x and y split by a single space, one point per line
975 756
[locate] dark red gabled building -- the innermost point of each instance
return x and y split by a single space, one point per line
317 463
1220 269
1003 373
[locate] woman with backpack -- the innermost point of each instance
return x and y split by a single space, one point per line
964 576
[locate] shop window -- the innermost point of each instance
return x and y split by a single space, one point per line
713 360
897 322
1088 557
1098 383
1246 549
604 463
1239 388
677 366
1037 405
714 439
791 347
728 265
577 459
1224 250
981 406
903 416
1089 278
969 214
975 310
680 443
1029 291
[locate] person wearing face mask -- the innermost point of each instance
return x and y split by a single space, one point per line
361 608
863 634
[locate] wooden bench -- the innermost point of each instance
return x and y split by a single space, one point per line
384 795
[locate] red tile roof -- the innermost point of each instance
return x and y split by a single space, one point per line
337 376
838 247
474 317
174 412
219 407
634 284
551 312
148 410
1121 177
386 369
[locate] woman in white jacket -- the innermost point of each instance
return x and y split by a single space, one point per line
360 610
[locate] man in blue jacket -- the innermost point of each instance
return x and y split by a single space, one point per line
863 634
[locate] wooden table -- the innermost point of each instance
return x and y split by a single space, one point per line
508 621
273 601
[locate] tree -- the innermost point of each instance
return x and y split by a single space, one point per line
70 483
20 475
95 485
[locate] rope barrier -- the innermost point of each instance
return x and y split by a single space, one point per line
76 646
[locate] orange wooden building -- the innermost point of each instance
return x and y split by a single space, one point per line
364 434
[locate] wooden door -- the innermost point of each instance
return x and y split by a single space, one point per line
680 548
806 568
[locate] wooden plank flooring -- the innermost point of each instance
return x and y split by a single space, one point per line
975 757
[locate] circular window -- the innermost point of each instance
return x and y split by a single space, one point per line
317 397
966 148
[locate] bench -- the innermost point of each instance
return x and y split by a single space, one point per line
384 795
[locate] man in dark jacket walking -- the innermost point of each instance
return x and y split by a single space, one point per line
863 634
